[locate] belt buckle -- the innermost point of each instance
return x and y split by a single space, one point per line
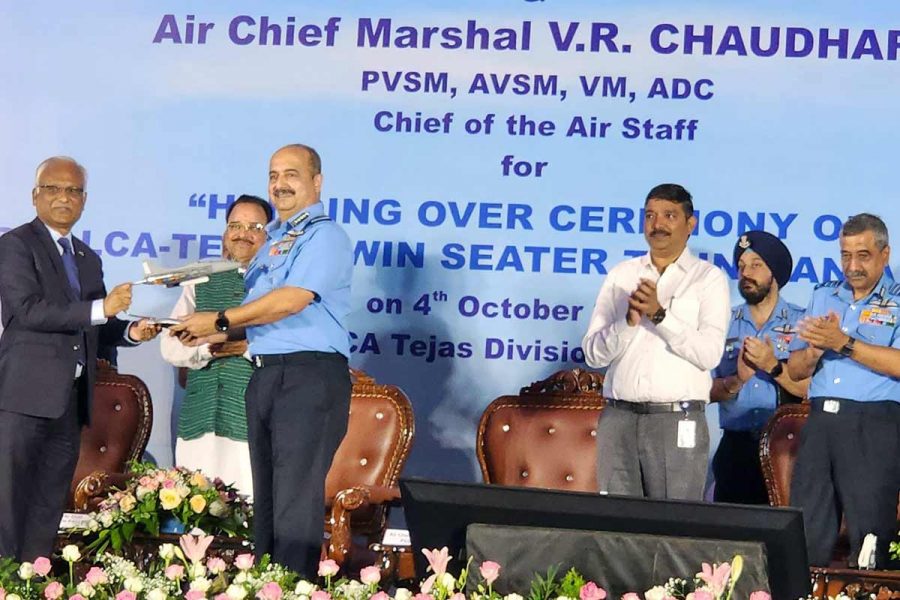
831 406
258 361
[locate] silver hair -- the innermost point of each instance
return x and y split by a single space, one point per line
41 167
858 224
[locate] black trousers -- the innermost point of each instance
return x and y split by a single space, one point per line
297 413
37 462
737 469
848 465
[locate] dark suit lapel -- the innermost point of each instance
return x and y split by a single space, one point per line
52 254
84 269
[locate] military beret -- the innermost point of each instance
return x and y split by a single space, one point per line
772 250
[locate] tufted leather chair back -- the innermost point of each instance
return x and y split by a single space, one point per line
778 448
375 448
546 437
121 418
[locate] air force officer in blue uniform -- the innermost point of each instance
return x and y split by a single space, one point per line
298 399
751 381
849 342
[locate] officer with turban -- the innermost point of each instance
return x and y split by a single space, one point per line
751 380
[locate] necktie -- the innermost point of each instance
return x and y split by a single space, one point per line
68 258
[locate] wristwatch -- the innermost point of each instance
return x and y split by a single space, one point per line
847 349
222 322
657 317
777 370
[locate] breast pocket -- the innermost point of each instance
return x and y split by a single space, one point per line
276 269
687 309
880 335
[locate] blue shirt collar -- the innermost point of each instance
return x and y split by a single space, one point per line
297 219
845 292
780 313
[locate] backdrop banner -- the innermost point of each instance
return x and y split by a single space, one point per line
489 160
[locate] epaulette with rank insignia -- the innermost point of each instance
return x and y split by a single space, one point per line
894 289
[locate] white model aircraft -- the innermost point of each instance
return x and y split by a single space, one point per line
191 274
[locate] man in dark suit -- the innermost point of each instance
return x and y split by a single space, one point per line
55 313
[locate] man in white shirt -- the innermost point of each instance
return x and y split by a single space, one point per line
659 324
212 421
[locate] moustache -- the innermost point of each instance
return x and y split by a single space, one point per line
747 281
856 274
657 232
284 192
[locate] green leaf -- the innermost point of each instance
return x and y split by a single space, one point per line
116 539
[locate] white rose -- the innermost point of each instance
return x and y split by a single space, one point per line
236 592
105 518
183 490
93 525
403 594
513 597
71 553
197 570
167 551
448 581
85 589
26 571
217 508
201 584
13 597
304 588
241 577
655 593
134 584
141 492
157 594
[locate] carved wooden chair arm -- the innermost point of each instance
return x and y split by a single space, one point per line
91 490
345 502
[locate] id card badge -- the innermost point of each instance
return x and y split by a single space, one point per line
687 434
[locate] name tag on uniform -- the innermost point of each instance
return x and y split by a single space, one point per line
687 434
876 315
831 406
282 247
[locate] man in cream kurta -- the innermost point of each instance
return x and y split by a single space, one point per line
659 325
212 423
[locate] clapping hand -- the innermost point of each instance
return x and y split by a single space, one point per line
644 299
823 333
760 353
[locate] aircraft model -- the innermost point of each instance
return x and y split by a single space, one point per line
190 274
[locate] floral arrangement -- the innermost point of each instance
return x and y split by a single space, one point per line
154 496
185 571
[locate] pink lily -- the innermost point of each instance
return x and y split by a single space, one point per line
195 546
715 577
437 559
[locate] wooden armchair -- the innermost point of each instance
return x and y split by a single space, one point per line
121 419
362 482
545 436
778 448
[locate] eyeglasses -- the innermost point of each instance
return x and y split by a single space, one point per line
235 227
71 192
